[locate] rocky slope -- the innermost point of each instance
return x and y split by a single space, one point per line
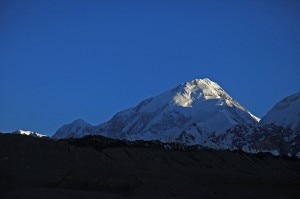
254 139
277 132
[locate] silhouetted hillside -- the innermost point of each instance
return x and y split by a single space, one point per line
98 167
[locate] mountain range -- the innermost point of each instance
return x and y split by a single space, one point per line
201 112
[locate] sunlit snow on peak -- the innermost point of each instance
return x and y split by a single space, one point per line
199 89
29 133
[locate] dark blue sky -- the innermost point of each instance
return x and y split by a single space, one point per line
63 60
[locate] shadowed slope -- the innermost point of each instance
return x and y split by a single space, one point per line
94 167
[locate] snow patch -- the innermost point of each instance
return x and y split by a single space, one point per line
29 133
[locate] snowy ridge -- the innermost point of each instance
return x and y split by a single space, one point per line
77 128
29 133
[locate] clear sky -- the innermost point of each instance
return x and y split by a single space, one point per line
63 60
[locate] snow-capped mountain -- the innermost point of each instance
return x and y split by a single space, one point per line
201 112
29 133
285 113
200 102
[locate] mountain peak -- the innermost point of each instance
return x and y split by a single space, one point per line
204 80
77 128
203 89
199 102
79 122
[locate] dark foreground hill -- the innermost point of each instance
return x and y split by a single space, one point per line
96 167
